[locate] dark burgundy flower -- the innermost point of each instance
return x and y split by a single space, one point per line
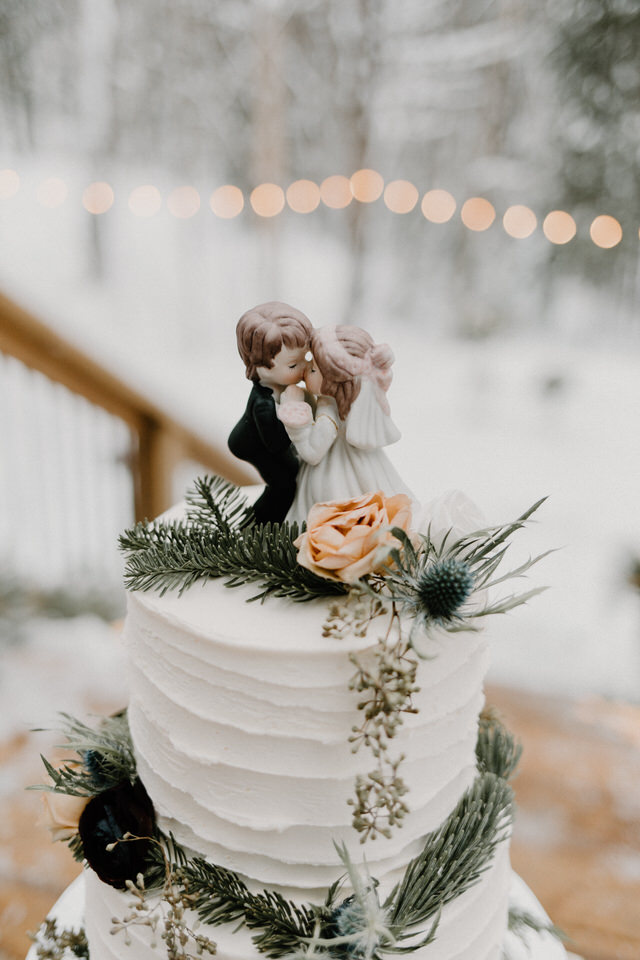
105 820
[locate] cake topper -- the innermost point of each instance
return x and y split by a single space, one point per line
341 446
273 341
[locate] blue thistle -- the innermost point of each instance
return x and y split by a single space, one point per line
443 588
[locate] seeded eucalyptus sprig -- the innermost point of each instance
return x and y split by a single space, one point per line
387 684
54 943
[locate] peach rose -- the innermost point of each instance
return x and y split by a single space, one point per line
346 539
61 814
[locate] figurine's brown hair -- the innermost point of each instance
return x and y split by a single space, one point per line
263 331
342 354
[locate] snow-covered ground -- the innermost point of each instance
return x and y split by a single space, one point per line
508 420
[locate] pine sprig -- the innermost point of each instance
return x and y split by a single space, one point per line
219 896
163 557
520 922
497 750
215 501
455 856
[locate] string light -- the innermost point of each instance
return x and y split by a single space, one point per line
519 222
477 214
559 227
9 184
335 192
367 185
52 192
227 201
267 200
145 201
606 232
183 202
303 196
98 197
400 196
438 206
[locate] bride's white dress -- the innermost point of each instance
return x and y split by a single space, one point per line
342 459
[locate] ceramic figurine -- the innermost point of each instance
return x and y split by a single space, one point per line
341 445
273 341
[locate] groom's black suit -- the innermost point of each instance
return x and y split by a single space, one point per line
261 439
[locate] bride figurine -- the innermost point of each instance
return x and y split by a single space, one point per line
341 447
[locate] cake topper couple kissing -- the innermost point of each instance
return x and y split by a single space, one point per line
323 442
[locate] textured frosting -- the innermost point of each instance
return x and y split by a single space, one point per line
471 927
240 715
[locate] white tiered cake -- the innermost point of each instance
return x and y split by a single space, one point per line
246 756
240 715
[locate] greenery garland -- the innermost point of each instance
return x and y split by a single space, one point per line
454 858
218 539
212 542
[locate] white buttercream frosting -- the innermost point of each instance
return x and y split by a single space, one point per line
240 716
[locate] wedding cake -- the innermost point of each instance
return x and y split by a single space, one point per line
305 768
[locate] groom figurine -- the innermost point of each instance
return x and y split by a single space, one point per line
273 340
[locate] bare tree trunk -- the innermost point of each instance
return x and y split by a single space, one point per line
367 63
268 163
98 29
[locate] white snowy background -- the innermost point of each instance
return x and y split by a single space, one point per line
517 364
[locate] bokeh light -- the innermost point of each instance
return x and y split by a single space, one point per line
519 222
477 214
400 196
438 206
605 231
267 199
183 202
145 201
559 227
367 185
98 197
303 196
335 192
52 192
227 201
9 183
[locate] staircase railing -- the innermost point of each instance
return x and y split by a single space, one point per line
159 442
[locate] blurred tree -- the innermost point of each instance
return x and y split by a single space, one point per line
595 55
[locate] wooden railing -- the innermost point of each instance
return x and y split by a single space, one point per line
160 443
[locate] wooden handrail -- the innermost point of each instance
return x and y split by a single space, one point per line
162 441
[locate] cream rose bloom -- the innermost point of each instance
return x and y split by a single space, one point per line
61 814
347 539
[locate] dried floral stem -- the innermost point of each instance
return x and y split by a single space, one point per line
167 916
389 685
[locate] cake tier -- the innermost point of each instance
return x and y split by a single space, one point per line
240 716
471 927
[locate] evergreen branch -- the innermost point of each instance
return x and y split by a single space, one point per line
215 501
521 921
454 856
497 750
175 556
219 896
